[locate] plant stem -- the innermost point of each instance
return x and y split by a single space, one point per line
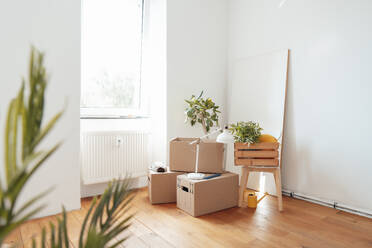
203 124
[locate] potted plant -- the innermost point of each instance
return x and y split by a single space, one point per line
246 132
184 151
202 110
252 148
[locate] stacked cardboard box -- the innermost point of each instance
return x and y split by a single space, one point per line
198 197
182 155
162 186
195 197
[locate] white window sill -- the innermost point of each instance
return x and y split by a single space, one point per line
125 117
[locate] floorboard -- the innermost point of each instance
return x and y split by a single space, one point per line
301 224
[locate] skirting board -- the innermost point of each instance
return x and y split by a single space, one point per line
99 188
327 203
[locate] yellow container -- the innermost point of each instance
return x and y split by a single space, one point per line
251 198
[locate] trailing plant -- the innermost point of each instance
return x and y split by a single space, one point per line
203 111
23 134
246 132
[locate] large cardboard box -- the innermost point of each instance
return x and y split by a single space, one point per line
198 197
162 186
182 155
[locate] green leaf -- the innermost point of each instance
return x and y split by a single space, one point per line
10 136
114 202
46 130
209 123
30 202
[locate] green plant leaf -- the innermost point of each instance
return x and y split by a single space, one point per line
46 130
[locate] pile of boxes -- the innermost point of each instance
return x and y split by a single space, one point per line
195 197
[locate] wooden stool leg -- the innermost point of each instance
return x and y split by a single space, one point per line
243 185
278 184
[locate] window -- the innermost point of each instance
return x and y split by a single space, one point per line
111 57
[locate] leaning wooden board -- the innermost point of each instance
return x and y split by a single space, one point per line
259 154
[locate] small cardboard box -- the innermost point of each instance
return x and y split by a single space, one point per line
162 186
198 197
182 155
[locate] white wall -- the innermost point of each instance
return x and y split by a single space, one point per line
328 121
53 26
196 58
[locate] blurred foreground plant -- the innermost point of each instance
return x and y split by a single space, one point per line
23 134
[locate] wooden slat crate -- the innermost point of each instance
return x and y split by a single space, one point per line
259 154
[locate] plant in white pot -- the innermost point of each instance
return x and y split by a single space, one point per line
202 110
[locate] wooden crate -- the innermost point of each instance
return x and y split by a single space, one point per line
259 154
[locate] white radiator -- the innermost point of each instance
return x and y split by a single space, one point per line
109 155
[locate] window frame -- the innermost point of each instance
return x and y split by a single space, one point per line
117 113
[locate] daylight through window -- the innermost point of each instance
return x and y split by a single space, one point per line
111 57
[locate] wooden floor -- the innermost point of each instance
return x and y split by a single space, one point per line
302 224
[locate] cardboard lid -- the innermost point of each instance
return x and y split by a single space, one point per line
168 171
205 140
224 175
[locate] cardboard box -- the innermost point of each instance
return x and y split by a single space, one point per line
182 156
162 186
198 197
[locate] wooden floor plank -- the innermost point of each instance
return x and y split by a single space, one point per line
73 229
14 239
135 242
301 224
30 231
